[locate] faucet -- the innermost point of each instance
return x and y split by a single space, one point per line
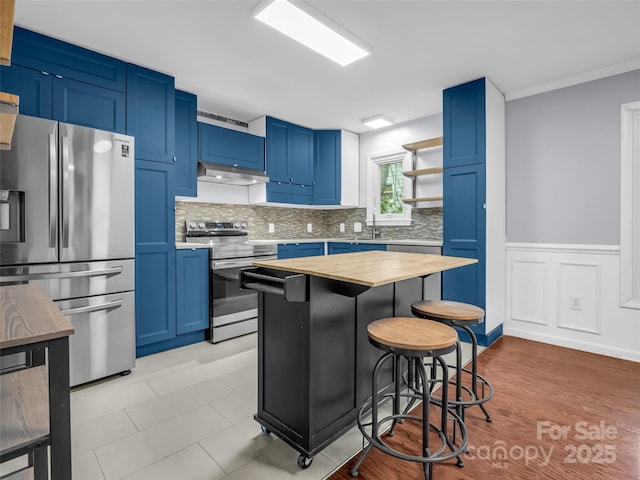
374 232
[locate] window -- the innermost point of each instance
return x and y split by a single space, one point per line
387 187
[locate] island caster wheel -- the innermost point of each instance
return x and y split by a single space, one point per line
304 462
265 431
125 373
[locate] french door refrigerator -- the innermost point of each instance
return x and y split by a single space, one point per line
67 224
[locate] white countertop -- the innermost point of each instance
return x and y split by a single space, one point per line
380 241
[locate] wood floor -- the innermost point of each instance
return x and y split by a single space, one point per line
557 414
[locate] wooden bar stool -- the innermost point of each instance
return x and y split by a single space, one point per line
412 338
461 315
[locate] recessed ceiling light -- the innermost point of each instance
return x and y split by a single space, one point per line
310 28
378 121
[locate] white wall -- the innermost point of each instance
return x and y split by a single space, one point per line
563 218
392 138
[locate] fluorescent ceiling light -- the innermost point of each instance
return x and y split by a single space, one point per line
306 27
377 121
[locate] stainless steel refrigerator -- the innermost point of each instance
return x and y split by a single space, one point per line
67 224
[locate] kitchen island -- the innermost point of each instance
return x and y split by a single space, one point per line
314 357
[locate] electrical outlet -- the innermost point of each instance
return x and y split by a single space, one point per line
342 228
309 227
575 303
357 227
272 228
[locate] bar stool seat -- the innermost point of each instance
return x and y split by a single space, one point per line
410 337
461 315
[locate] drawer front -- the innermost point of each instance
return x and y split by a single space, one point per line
103 342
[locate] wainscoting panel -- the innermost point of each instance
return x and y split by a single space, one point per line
529 298
579 296
569 295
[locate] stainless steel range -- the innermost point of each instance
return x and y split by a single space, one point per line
233 311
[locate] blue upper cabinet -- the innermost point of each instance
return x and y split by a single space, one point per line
327 167
186 172
289 152
151 113
300 154
32 86
231 147
289 160
464 124
47 54
83 104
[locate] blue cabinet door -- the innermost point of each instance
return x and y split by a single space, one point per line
464 124
310 249
286 250
151 113
63 59
155 252
192 296
464 233
32 86
276 151
231 147
89 105
327 167
289 159
339 247
297 250
186 144
300 154
368 247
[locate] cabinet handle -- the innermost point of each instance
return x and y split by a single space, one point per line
58 76
44 73
174 158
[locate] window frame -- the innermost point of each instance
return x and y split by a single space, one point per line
373 184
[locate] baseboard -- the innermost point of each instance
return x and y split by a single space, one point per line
573 344
484 339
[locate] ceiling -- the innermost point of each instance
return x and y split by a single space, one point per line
243 69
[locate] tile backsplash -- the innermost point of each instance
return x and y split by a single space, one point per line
291 223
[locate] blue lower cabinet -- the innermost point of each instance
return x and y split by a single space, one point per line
192 290
344 247
296 250
155 255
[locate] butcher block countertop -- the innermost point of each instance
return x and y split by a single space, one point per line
28 315
369 268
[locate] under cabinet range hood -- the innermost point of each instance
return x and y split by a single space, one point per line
217 173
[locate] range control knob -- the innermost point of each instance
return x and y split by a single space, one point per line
201 225
236 225
244 225
192 225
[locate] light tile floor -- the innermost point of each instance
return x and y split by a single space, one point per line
187 414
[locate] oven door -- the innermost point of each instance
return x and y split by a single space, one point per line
229 303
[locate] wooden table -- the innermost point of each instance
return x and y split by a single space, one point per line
35 403
314 357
